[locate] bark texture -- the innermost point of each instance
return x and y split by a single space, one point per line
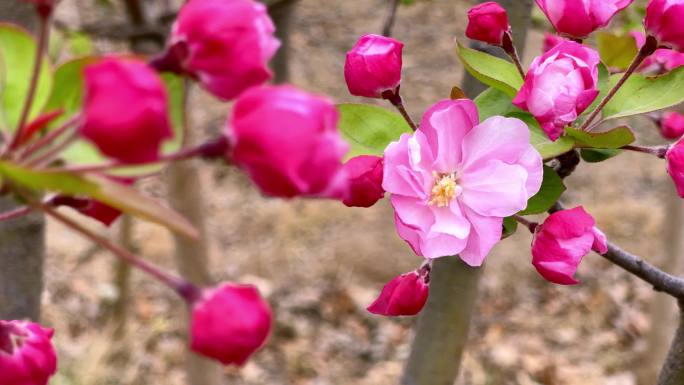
673 369
22 239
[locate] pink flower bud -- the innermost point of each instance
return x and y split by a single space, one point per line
27 356
672 125
287 141
664 22
562 241
228 43
675 165
125 110
403 295
559 86
364 175
373 66
488 22
579 18
230 323
550 41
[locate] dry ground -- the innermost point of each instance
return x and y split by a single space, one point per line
321 263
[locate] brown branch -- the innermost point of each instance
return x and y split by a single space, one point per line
672 372
391 17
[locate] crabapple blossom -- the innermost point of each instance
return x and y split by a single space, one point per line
287 141
562 241
125 110
404 295
373 66
225 45
551 40
661 61
27 356
364 176
675 165
579 18
559 86
229 323
455 179
488 22
672 125
664 22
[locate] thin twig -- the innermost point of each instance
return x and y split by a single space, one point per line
16 213
51 136
391 17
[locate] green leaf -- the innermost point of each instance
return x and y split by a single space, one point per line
122 197
175 87
538 138
491 70
67 93
614 138
551 190
81 44
642 94
492 102
593 155
617 51
17 56
510 226
369 129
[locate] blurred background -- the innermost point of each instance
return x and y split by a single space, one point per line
320 264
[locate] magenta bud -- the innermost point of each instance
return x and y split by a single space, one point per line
488 22
373 66
404 295
229 323
226 45
125 112
578 18
675 165
562 241
672 125
364 175
287 141
27 356
664 22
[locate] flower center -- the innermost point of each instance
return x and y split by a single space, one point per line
444 190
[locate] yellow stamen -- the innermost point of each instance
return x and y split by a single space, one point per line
443 191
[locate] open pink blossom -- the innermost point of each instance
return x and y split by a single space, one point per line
562 241
579 18
27 356
225 45
664 22
454 180
675 165
404 295
559 86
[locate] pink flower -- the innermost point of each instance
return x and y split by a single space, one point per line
579 18
125 110
230 323
454 180
488 22
672 125
551 40
27 356
562 241
675 165
403 295
364 176
559 86
227 44
287 141
373 66
664 22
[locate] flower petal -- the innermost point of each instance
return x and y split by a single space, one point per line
496 189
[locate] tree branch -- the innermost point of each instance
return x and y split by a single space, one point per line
672 372
391 17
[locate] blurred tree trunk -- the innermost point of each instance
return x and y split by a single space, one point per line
22 239
282 11
442 329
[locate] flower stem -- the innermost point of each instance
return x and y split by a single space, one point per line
509 47
16 213
659 151
398 103
181 286
532 226
43 39
647 50
51 136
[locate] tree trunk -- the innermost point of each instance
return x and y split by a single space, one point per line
673 369
281 11
442 330
22 239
